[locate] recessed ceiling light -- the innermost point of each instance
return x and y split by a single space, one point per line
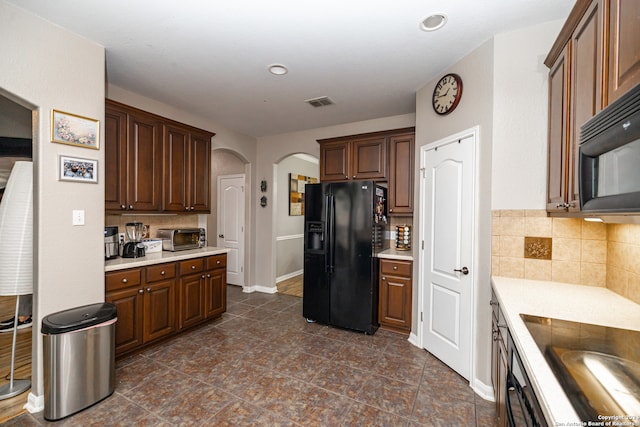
433 22
278 69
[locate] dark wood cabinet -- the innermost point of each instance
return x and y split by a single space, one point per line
187 170
624 47
394 309
154 164
192 285
158 301
594 60
216 286
499 363
401 164
350 158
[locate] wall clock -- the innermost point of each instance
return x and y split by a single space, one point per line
447 94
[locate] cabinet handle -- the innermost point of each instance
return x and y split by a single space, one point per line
123 207
202 276
208 276
391 210
384 278
354 176
218 262
130 207
125 280
162 273
186 208
149 290
346 177
193 267
395 267
140 291
193 208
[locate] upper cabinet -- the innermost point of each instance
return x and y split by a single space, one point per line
349 158
379 156
585 74
154 164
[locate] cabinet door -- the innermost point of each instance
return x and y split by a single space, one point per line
395 301
128 303
144 153
624 47
369 158
501 402
200 173
216 292
176 171
192 299
586 89
115 149
558 132
335 160
401 178
159 309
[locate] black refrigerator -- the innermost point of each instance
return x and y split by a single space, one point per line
345 224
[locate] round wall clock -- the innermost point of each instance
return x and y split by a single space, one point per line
447 94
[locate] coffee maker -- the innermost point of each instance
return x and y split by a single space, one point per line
111 245
134 247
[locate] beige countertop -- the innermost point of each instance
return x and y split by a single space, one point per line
393 253
586 304
161 257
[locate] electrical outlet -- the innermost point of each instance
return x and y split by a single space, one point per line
121 238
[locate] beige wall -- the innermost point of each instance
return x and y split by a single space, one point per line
45 67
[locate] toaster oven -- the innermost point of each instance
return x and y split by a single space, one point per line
180 239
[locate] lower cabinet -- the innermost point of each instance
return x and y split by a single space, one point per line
160 300
499 360
394 307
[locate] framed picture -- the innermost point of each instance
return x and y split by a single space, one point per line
78 170
296 193
67 128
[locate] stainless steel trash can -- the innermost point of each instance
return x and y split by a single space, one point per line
79 358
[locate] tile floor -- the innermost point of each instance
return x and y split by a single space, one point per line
262 364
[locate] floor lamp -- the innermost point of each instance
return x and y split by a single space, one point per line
16 253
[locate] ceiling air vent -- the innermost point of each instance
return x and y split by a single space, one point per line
322 101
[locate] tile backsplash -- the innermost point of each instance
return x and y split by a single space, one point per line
153 221
580 252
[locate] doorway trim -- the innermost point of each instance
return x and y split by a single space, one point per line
475 133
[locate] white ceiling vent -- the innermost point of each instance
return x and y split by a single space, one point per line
322 101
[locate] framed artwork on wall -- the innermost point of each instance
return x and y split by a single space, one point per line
78 170
296 193
70 129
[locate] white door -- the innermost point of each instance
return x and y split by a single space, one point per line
231 224
448 213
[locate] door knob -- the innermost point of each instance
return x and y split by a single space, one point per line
221 236
463 270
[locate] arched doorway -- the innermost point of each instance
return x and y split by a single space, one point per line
292 173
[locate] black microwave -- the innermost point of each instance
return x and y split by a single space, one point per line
609 159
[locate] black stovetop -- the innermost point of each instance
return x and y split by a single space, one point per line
597 366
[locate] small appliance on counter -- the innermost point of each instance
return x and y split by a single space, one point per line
180 239
134 248
403 237
111 245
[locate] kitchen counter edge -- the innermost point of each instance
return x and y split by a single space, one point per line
577 303
160 257
392 253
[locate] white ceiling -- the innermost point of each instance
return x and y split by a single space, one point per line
210 57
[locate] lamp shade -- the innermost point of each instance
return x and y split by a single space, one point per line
16 232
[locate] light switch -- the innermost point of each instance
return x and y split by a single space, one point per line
78 217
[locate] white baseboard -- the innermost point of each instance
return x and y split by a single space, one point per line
413 339
483 390
34 403
289 276
263 289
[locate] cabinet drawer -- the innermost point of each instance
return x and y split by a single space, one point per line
216 261
396 268
122 279
195 265
161 272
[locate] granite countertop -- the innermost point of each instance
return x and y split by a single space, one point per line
161 257
393 253
586 304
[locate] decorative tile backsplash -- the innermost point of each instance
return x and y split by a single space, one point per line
528 244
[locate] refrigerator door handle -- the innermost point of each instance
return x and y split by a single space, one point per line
329 261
